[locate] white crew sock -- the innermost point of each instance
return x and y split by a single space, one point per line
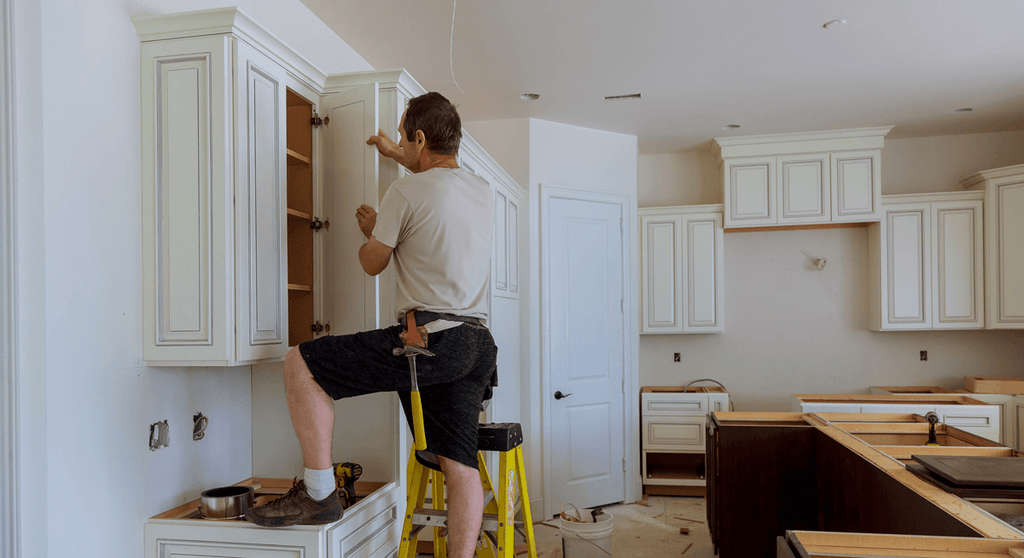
319 482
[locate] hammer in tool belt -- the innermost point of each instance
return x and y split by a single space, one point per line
415 343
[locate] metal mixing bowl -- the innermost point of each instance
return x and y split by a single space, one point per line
229 502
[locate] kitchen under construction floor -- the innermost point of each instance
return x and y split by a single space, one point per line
645 531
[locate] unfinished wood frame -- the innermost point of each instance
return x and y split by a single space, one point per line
820 543
266 489
1013 386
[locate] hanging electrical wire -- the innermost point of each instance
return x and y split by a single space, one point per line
451 45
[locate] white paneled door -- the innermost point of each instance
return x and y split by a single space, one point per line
583 320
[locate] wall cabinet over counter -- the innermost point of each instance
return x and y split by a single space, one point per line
802 179
682 269
1004 249
254 163
926 263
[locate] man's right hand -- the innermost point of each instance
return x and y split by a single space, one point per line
386 146
367 218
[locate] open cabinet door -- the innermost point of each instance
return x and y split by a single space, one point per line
350 296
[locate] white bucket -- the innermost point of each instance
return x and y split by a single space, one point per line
590 539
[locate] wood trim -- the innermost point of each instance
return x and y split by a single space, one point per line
821 541
773 228
905 452
10 490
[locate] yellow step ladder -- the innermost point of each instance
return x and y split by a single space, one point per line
499 526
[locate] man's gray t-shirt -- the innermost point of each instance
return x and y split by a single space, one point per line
440 223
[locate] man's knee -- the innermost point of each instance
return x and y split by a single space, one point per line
453 469
295 365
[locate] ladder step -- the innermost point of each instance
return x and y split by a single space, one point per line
425 517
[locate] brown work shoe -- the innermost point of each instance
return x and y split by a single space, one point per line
297 508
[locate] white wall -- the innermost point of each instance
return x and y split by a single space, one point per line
87 399
536 152
789 329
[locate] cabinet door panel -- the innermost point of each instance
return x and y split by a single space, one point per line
351 175
261 273
703 274
186 201
957 253
750 192
662 273
500 242
1010 256
804 189
909 275
856 186
512 239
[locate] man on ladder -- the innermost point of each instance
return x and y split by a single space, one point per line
437 226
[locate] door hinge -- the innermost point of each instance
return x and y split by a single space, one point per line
316 224
622 227
623 385
623 464
316 121
622 305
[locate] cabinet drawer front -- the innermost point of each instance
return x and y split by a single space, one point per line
675 404
674 434
966 419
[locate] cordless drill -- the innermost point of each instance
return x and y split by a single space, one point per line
346 475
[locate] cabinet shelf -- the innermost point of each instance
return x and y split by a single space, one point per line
296 158
296 214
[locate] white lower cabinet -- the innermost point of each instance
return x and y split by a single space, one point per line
370 529
979 418
926 263
682 275
672 437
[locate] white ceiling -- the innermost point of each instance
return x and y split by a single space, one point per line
768 65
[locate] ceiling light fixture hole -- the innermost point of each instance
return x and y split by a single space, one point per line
962 110
529 96
834 23
730 126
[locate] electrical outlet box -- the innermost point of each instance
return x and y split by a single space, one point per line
924 355
159 435
676 357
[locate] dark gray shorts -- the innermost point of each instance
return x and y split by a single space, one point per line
453 383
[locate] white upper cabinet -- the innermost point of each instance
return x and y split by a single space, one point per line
682 269
1004 244
926 262
214 175
801 179
254 164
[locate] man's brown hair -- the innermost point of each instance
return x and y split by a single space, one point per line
437 118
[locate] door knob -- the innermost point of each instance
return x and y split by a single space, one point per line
560 395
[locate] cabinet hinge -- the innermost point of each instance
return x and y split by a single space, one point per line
316 121
316 224
317 327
